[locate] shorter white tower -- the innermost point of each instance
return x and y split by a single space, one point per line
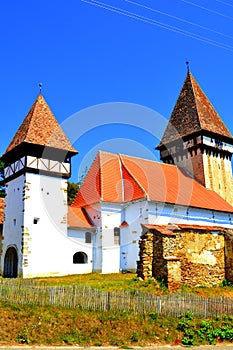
37 166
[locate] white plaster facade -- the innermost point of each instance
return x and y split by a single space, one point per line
36 226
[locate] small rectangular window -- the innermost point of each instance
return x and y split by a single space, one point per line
35 221
116 235
88 237
14 222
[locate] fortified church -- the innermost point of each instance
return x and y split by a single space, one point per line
170 220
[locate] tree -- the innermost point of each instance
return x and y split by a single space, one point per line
72 190
73 187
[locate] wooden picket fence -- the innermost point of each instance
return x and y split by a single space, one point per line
18 291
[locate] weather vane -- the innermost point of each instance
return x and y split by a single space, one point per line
187 64
40 86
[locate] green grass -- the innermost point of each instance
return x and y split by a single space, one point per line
129 281
107 282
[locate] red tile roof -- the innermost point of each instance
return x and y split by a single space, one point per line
193 112
2 206
41 128
121 178
169 230
77 217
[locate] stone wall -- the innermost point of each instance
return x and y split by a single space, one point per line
187 256
229 257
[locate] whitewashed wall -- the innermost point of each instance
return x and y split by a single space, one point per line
50 249
111 217
134 214
12 228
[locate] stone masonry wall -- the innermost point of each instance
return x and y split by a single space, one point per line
189 257
144 265
229 257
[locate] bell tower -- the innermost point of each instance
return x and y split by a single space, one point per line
197 140
37 166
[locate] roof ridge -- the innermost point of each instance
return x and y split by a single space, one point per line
191 78
101 175
138 184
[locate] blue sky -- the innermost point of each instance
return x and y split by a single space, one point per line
133 53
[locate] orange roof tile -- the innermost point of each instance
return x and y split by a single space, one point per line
111 178
121 178
193 112
169 230
41 128
124 224
102 182
169 184
163 229
77 217
90 190
2 206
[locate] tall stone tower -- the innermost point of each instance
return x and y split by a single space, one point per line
37 166
197 140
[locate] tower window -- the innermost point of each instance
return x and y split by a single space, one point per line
88 237
116 235
14 222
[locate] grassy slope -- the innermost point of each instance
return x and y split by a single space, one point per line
59 326
118 281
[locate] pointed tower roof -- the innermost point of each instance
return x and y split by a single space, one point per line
193 112
41 128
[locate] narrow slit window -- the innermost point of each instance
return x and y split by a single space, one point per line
88 237
116 235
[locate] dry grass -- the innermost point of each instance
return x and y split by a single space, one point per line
59 326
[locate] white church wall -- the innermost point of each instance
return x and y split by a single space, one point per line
13 224
49 250
97 250
134 214
163 214
111 218
78 239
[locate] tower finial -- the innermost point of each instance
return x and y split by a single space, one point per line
40 86
187 64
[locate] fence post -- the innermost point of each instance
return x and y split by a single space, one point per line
50 296
159 305
205 307
107 301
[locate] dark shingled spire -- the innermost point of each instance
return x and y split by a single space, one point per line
193 112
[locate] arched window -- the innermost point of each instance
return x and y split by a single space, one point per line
116 235
80 258
88 237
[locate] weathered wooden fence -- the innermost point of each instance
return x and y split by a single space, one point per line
77 296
